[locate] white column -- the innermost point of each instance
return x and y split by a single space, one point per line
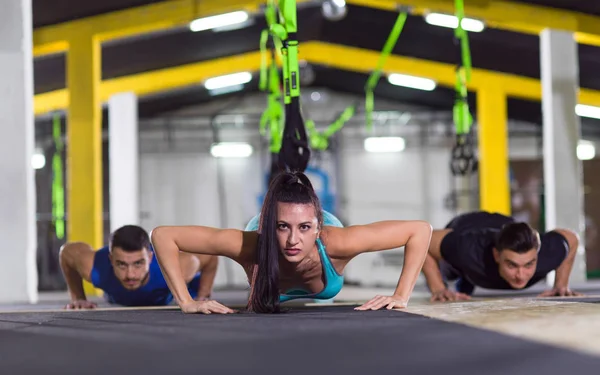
18 269
563 175
123 160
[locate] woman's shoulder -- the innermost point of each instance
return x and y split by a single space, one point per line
331 220
332 239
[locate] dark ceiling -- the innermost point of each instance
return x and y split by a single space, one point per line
362 27
50 12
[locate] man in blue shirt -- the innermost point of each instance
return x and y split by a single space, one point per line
128 273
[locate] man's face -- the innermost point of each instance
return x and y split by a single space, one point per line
131 267
516 268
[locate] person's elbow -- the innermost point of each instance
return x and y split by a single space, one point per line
572 238
71 250
421 233
423 228
159 235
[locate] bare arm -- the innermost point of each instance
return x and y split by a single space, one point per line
435 246
168 241
431 270
76 262
564 271
413 235
208 271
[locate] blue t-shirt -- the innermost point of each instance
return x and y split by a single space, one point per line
154 293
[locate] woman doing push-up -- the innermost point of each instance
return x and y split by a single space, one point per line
293 253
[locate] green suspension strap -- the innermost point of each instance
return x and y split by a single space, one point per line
463 159
58 193
320 140
298 152
273 116
376 74
270 82
295 152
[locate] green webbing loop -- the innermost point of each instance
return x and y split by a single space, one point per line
271 13
271 17
376 74
269 81
320 140
58 193
286 31
462 116
264 38
281 34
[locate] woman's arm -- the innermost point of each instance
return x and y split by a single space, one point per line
413 235
169 241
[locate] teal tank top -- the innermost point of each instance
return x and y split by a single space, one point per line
333 281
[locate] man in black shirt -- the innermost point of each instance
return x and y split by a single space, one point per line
492 251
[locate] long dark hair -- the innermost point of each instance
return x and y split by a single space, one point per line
286 187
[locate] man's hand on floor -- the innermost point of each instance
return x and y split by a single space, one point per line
446 295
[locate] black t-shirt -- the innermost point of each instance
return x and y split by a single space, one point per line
479 219
470 252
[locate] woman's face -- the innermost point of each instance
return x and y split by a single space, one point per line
297 230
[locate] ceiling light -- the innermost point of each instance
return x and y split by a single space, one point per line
412 82
445 20
586 150
334 10
38 160
587 111
228 80
221 20
384 144
226 90
231 150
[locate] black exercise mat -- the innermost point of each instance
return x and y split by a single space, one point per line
316 340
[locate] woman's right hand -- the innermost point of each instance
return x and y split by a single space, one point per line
205 307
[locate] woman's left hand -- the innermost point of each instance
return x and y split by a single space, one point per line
378 302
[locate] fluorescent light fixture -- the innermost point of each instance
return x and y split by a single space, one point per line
221 20
334 10
225 90
446 20
384 144
231 150
412 82
587 111
38 160
228 80
586 150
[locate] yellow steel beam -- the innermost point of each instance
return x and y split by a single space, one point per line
181 76
333 55
364 61
492 131
134 21
51 101
505 15
50 48
84 144
156 81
